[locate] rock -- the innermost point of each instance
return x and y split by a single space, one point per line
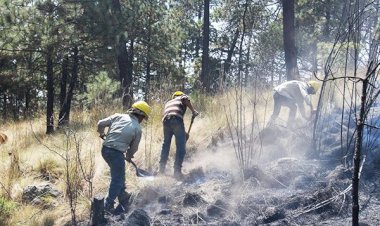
339 173
163 199
165 212
266 135
273 214
138 218
218 209
303 182
195 175
254 171
36 192
192 199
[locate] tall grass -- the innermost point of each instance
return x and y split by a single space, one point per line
245 112
71 159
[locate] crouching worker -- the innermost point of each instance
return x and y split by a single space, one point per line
173 125
293 94
120 144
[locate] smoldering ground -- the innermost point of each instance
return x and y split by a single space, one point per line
288 183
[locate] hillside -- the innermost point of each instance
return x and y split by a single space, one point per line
287 183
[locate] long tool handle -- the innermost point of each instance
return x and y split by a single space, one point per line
134 164
139 172
191 124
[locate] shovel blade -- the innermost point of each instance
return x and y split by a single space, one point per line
143 173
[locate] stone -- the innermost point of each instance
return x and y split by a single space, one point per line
138 217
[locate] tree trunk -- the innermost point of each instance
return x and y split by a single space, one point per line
128 79
326 28
247 60
240 64
357 156
148 76
73 82
198 40
148 62
63 90
205 70
124 60
50 91
27 110
289 40
227 64
97 211
5 114
66 98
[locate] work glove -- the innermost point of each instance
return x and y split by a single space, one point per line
195 114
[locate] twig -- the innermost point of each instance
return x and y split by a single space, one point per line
6 190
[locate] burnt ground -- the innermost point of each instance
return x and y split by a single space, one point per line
290 185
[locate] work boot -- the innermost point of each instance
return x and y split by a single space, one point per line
119 210
178 175
123 202
162 170
109 207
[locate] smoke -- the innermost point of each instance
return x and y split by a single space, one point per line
223 159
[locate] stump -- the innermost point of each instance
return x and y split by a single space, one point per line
97 211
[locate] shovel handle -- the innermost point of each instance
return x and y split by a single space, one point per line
191 123
130 161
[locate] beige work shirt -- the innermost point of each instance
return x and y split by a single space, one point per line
124 132
294 90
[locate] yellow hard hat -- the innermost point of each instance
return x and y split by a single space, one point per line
316 85
143 107
177 93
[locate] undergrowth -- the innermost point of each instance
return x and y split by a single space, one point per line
78 153
7 208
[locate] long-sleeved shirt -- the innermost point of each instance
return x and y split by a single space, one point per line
294 90
124 132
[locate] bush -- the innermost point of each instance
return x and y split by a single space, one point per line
7 207
49 169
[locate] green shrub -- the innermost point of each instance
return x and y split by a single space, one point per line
7 207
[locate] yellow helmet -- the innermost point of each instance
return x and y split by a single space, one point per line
316 85
143 107
177 93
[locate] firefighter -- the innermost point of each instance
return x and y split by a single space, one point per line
173 125
120 144
293 94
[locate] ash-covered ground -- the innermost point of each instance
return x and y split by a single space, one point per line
289 184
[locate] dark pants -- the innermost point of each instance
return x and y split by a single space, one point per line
280 101
115 160
173 126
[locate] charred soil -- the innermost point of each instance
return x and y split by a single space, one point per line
289 189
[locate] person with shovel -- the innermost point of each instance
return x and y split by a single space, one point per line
293 94
120 144
173 125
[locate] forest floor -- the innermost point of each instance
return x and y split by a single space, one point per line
290 185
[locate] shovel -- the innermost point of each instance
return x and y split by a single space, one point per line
191 123
139 172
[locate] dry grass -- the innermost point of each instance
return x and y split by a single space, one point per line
36 158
